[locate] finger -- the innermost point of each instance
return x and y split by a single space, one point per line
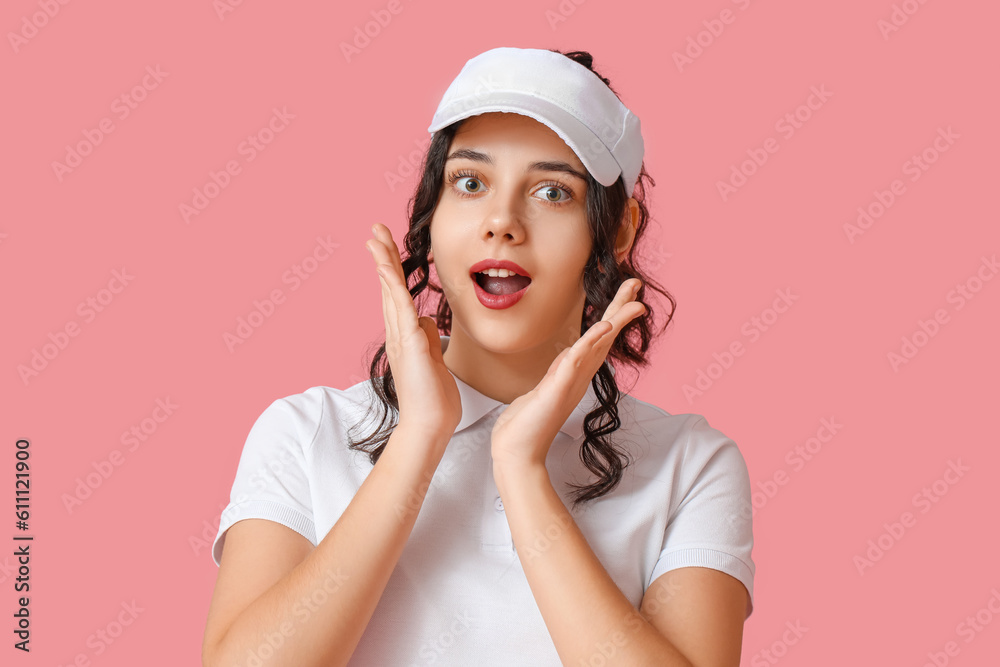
558 360
370 246
605 333
624 308
607 330
597 340
389 310
429 325
402 313
620 318
595 333
584 346
406 312
384 235
626 293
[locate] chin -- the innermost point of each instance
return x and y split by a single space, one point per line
508 338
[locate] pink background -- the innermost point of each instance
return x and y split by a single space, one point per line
137 536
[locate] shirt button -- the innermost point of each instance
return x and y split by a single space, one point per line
499 504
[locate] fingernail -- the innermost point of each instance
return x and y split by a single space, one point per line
369 249
636 286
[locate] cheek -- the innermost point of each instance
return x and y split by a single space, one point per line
563 287
453 278
570 243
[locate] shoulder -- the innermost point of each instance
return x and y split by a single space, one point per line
686 439
307 413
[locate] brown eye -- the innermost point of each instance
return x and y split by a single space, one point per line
457 181
556 194
461 182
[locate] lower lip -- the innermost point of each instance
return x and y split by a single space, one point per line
498 301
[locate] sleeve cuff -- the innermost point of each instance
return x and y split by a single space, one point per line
710 558
262 509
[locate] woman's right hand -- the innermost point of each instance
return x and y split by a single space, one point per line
429 401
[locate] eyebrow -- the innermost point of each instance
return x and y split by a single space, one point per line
544 165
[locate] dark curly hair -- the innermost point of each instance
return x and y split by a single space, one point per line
607 208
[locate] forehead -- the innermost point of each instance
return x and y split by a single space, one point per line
498 132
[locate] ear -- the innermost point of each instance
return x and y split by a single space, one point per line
627 231
430 255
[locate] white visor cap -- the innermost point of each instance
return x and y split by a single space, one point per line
559 92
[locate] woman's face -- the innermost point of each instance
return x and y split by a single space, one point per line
513 190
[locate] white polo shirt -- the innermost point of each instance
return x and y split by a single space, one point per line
458 595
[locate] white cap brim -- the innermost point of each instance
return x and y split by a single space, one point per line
557 92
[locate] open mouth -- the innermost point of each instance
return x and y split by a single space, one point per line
500 286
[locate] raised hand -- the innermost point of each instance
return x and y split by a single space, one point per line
524 431
429 401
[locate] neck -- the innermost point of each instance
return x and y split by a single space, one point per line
501 372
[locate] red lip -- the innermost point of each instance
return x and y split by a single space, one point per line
497 301
498 264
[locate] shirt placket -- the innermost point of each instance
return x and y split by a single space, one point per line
495 529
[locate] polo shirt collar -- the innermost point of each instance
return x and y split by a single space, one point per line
476 405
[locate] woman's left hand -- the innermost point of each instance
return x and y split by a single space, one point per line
524 432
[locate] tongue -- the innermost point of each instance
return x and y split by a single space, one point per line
509 285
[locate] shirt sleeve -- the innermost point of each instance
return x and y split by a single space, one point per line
271 479
712 525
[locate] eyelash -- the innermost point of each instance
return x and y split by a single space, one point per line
465 173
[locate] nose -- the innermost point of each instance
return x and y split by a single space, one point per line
504 218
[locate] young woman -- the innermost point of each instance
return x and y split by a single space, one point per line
511 506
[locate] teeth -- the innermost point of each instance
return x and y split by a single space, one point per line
498 273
